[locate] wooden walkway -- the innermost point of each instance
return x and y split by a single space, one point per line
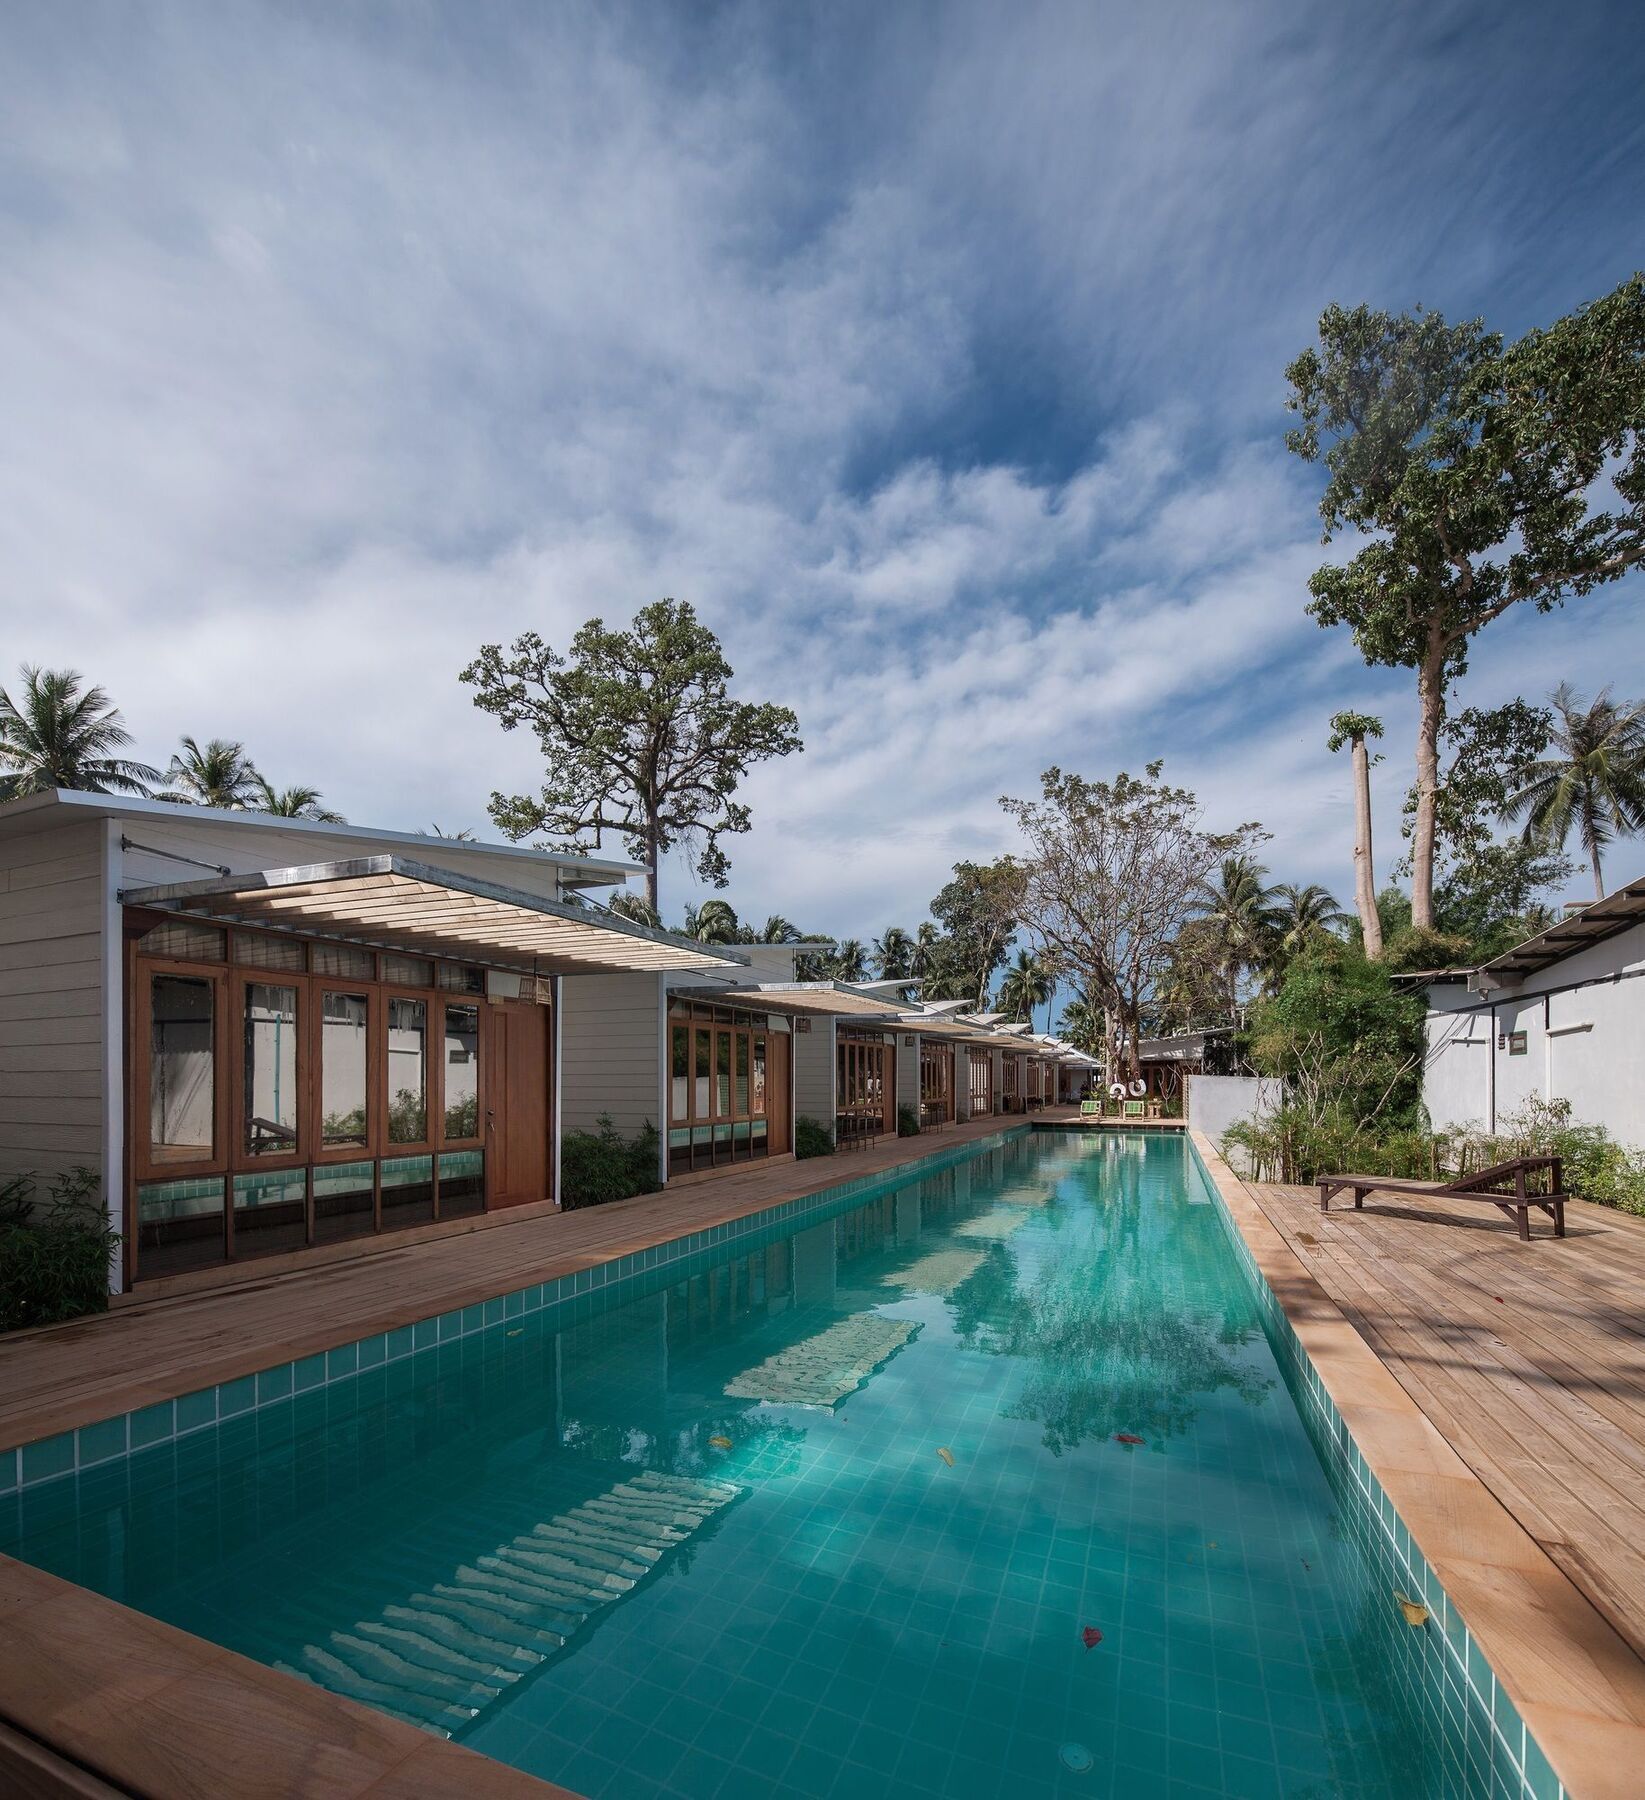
1529 1358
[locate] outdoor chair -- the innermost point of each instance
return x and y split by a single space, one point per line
1503 1185
1133 1109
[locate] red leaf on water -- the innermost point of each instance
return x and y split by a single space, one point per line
1126 1437
1091 1637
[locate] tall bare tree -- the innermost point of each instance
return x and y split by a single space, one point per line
1109 874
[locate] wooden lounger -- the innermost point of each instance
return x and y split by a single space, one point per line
1503 1185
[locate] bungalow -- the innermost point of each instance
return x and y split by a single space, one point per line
1555 1018
269 1036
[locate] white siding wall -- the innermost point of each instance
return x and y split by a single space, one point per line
908 1070
814 1072
52 1075
611 1052
1582 1044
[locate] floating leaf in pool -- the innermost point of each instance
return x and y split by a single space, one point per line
1126 1437
947 1455
1415 1612
720 1443
516 1331
1090 1637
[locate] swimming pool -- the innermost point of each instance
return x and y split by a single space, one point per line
985 1484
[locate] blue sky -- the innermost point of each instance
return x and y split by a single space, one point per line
936 353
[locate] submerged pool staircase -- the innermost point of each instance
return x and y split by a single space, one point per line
445 1654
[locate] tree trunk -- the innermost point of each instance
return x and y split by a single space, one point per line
1430 714
1365 883
1599 878
651 859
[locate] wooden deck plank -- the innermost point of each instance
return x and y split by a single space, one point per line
1529 1358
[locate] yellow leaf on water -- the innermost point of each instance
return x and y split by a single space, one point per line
947 1455
720 1443
516 1331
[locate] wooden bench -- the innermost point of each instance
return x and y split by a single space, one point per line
1503 1185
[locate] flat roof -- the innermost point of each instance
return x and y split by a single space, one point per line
1592 925
577 871
395 903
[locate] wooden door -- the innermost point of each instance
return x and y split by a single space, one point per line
777 1094
518 1146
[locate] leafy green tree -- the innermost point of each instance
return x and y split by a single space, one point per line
59 733
218 773
1480 475
298 802
1353 729
640 735
1594 784
848 963
977 910
1027 983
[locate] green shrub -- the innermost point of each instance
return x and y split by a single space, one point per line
908 1120
54 1253
603 1165
812 1139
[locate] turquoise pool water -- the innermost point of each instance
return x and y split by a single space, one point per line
833 1511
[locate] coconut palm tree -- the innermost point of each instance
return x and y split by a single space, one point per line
1301 918
218 774
294 803
923 957
714 922
1081 1025
778 930
59 733
1595 781
1353 729
1238 905
636 908
1026 984
848 963
893 954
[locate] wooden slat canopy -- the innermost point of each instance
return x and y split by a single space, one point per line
393 903
820 1002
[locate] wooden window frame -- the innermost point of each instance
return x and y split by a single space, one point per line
230 981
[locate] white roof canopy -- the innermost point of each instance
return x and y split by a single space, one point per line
393 903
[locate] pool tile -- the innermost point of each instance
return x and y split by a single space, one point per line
235 1397
47 1457
99 1442
153 1424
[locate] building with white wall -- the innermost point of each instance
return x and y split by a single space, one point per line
1559 1017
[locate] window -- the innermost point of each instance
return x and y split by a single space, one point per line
719 1079
278 1104
182 1069
268 1102
462 1083
407 1071
343 1111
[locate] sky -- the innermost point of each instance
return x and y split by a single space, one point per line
935 353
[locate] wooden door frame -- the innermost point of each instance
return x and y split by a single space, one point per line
494 1092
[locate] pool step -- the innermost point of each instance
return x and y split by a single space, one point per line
443 1655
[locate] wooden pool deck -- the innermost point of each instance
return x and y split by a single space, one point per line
99 1700
1497 1391
1530 1358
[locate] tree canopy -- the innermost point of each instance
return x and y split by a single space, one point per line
59 733
640 735
1485 476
